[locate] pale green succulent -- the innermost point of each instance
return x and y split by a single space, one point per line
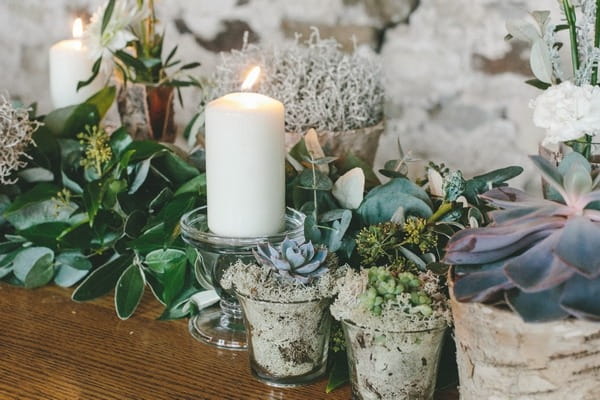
300 262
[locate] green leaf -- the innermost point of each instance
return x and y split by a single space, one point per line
119 141
45 234
74 259
103 99
102 280
339 374
40 192
67 122
131 61
175 168
95 72
160 200
351 161
172 213
538 84
169 266
110 6
129 291
196 185
381 203
134 223
319 181
499 176
181 307
92 198
33 266
144 149
191 65
141 174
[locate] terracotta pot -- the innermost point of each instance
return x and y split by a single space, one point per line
362 142
147 111
501 357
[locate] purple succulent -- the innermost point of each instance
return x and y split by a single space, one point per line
301 262
541 256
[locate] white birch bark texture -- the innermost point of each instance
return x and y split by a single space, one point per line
500 357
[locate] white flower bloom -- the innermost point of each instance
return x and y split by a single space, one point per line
118 32
567 112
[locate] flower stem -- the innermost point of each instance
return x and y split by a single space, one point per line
572 22
444 209
596 41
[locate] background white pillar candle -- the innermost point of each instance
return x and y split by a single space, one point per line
245 165
69 64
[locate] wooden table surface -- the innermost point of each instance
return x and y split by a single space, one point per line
54 349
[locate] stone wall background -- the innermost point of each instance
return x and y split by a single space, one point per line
455 90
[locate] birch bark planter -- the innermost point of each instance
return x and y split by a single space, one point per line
147 111
501 357
287 342
362 142
393 365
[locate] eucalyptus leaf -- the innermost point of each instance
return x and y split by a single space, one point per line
72 267
33 266
541 61
129 291
381 203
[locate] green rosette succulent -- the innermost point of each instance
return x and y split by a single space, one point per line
300 262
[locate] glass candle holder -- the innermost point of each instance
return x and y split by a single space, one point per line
223 326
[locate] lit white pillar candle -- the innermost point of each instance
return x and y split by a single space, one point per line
69 64
245 164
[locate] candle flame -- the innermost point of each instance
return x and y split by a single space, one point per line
77 28
251 78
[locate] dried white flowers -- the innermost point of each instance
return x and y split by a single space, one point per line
15 137
320 86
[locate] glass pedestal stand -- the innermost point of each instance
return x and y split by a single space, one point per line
223 326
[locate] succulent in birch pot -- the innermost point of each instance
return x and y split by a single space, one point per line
301 262
286 300
540 256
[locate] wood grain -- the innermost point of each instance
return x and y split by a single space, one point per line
54 349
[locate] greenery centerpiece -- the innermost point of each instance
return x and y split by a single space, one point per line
96 207
122 37
339 95
538 269
285 298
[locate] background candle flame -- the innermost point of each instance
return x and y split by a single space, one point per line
251 78
77 28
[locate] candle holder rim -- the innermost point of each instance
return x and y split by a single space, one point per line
190 232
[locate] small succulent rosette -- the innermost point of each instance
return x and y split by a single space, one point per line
394 324
286 301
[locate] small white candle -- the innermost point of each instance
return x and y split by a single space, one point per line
69 64
245 164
